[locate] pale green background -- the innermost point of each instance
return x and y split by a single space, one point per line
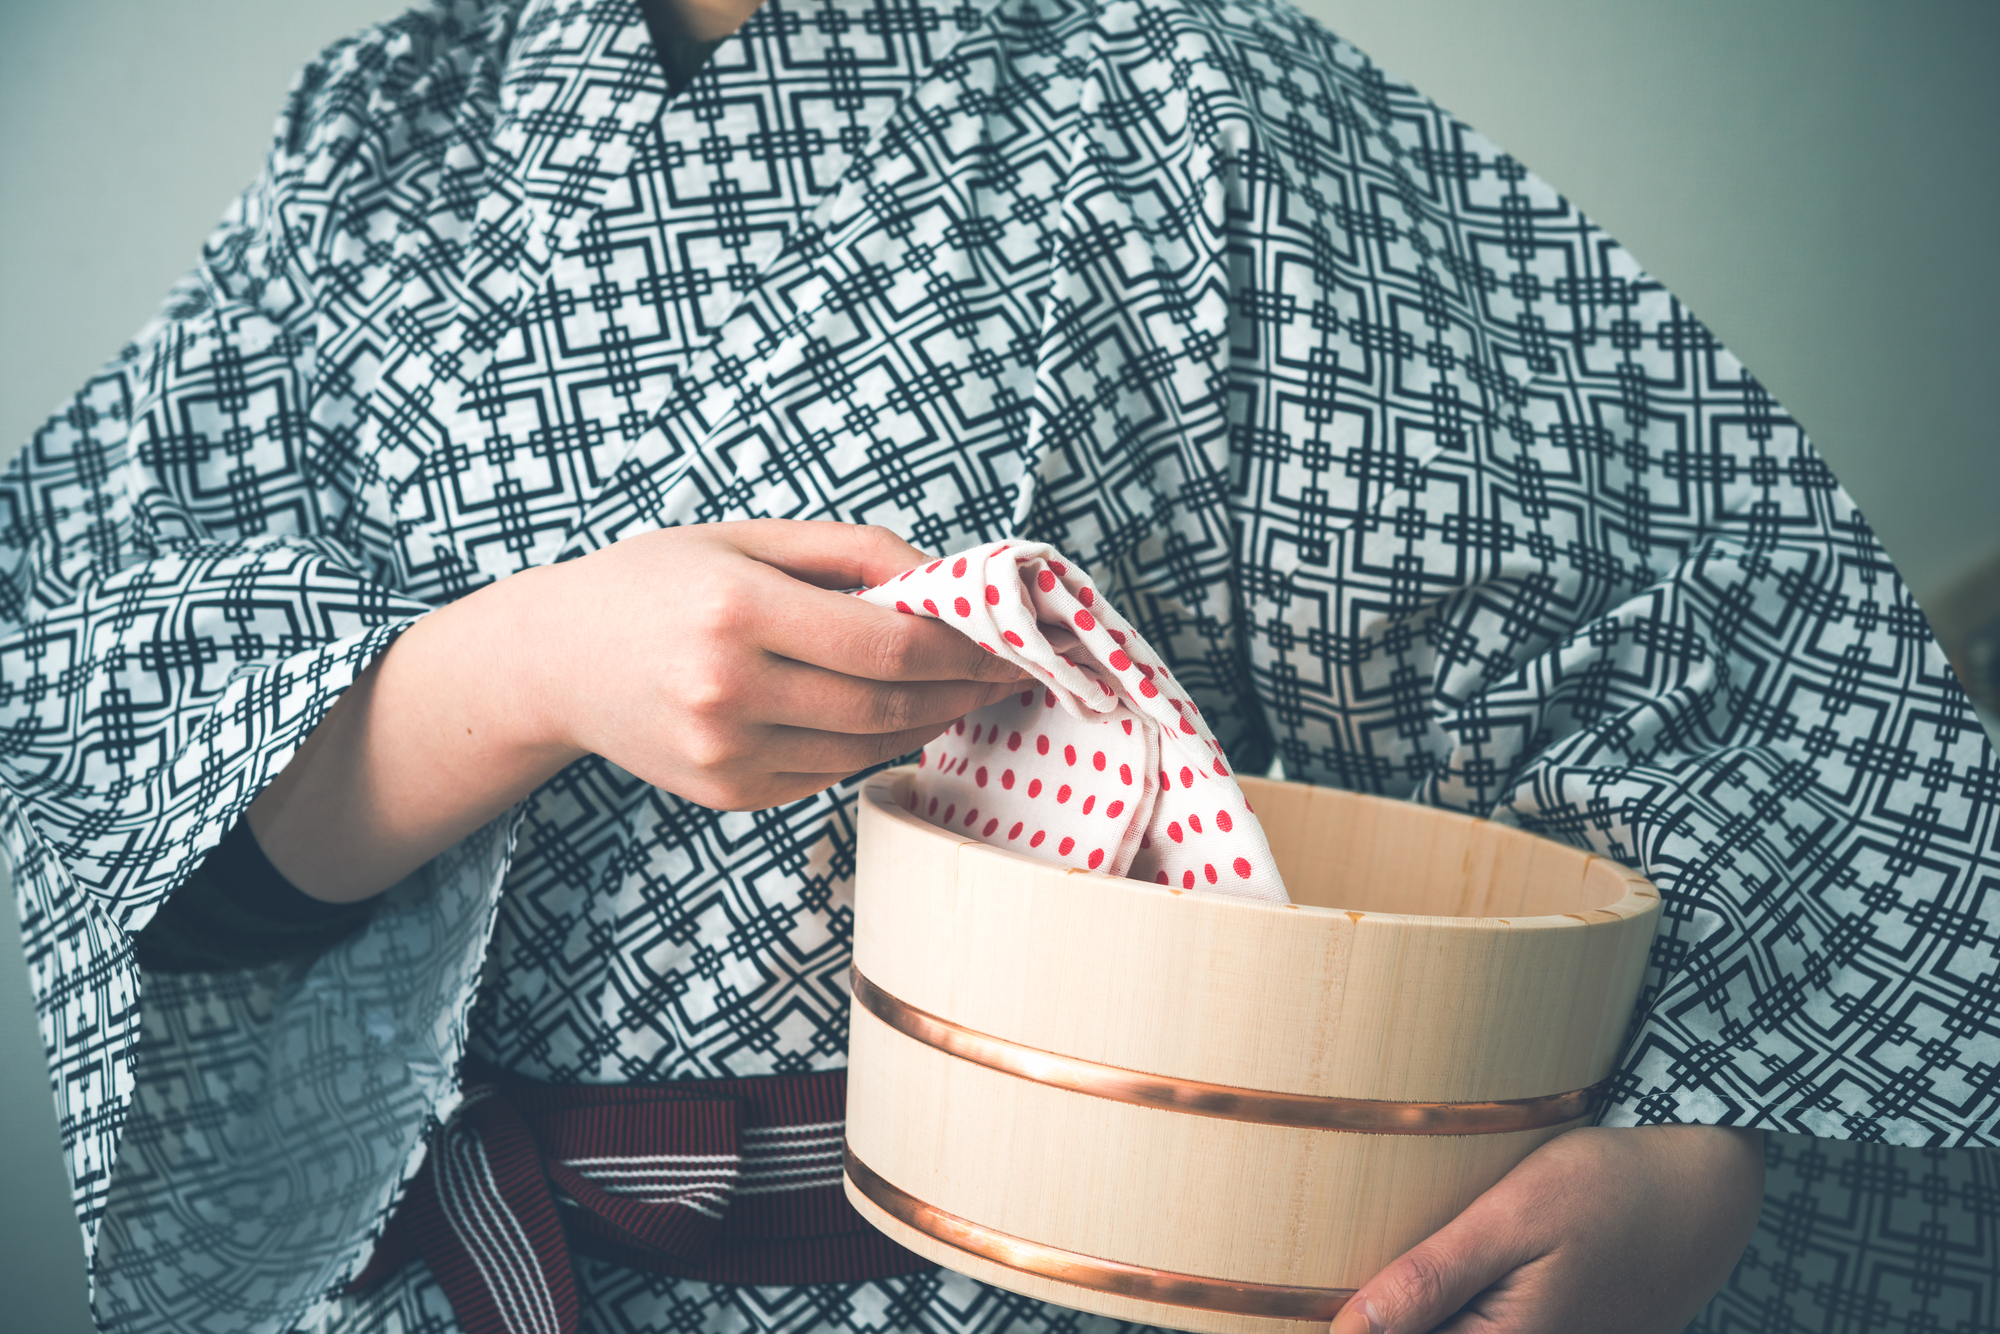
1817 178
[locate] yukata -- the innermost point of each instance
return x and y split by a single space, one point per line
1421 484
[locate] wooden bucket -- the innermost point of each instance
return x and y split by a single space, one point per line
1208 1113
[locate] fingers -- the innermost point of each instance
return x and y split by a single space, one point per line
814 698
722 665
822 759
859 639
1433 1280
823 552
798 564
835 728
800 752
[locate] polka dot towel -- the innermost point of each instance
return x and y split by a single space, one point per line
1106 765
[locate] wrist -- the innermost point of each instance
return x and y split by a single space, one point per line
461 718
518 653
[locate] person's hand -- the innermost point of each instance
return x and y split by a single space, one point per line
1599 1231
715 662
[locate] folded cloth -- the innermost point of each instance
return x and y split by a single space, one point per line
1107 765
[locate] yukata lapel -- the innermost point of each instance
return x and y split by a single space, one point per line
815 91
760 140
578 97
581 88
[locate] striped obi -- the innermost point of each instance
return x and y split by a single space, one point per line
728 1180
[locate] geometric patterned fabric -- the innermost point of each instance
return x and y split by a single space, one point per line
630 1301
1861 1238
1416 481
1856 1238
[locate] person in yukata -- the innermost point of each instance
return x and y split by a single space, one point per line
429 708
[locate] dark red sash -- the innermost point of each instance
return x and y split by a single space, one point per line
729 1180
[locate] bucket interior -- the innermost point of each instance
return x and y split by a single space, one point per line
1353 853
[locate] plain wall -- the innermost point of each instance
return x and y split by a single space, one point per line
1817 178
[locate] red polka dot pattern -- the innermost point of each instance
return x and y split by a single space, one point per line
1124 776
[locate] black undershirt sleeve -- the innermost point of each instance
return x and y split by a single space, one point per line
238 911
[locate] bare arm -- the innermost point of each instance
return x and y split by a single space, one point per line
711 661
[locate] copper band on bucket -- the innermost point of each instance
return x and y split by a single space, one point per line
1197 1098
1276 1301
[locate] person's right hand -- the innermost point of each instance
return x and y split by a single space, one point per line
715 662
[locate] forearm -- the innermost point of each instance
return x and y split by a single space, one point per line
439 736
712 661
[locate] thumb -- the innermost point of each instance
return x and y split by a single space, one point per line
1429 1283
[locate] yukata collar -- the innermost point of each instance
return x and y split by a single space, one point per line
583 87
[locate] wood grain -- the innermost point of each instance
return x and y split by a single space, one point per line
1428 957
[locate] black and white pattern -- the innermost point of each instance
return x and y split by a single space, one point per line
277 1110
1420 482
769 1159
1861 1238
782 1158
628 1301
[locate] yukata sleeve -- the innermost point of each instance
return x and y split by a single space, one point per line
1518 537
154 677
187 585
251 1125
1763 724
1678 643
1631 608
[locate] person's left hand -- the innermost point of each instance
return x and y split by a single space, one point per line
1599 1231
